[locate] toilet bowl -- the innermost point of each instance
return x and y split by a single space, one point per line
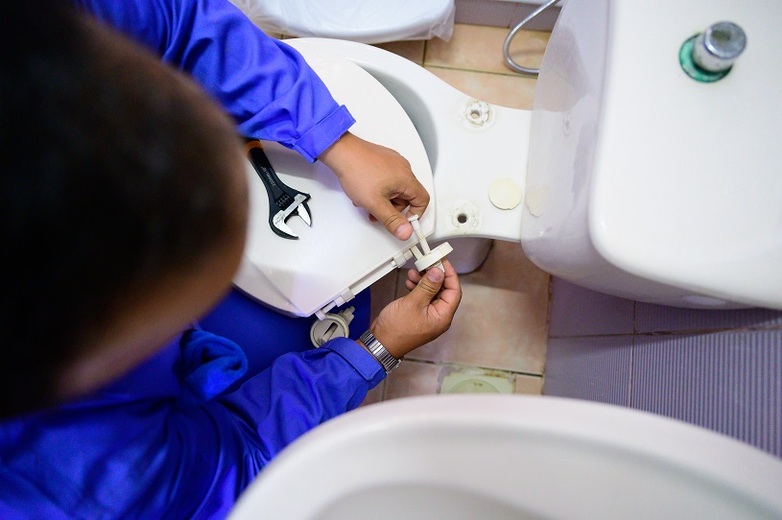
367 21
508 457
670 199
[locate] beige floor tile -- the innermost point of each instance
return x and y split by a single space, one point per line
413 378
479 48
529 385
412 50
498 89
501 322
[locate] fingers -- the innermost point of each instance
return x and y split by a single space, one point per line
421 316
413 277
418 199
427 288
450 294
396 223
410 193
447 284
379 180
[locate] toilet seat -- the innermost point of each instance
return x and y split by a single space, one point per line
508 457
368 21
343 252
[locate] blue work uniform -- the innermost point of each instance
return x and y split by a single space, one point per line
264 84
167 441
184 433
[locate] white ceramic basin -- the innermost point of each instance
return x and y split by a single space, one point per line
508 457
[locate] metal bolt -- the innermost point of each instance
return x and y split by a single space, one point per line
718 46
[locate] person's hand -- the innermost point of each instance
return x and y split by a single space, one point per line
379 180
423 314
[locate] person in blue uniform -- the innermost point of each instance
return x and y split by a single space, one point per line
272 94
124 209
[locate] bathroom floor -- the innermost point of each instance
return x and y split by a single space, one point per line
497 342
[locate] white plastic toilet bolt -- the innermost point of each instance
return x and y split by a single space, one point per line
430 257
434 258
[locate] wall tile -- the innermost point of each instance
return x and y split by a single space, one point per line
484 12
730 382
576 311
503 14
660 318
595 368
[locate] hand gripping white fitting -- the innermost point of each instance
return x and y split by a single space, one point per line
429 257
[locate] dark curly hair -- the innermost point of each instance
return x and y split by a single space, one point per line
111 178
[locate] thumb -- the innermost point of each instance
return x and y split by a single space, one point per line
396 223
428 287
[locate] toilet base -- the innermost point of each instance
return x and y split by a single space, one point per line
468 253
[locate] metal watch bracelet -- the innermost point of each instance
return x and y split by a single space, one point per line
384 357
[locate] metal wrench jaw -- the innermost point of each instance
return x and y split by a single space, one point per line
303 211
299 207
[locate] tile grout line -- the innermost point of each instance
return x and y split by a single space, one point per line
509 74
478 367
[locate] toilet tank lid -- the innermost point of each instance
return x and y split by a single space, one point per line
367 21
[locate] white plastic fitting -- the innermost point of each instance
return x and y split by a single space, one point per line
429 257
331 326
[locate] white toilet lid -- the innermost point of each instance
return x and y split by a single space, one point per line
367 21
507 457
343 252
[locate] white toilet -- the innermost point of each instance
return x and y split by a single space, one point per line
629 177
506 457
367 21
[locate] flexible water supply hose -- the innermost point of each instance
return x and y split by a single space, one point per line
506 46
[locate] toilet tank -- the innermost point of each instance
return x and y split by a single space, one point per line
645 183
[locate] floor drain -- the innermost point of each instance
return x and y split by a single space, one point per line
464 383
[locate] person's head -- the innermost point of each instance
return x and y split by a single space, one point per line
123 206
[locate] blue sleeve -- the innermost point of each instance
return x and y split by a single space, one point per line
302 390
161 455
229 440
264 84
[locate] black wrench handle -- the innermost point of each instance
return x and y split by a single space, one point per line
279 196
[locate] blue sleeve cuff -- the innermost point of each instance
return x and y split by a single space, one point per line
358 357
318 138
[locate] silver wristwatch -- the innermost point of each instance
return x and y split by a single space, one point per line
384 357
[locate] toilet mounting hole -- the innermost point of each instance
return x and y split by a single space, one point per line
462 218
477 113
